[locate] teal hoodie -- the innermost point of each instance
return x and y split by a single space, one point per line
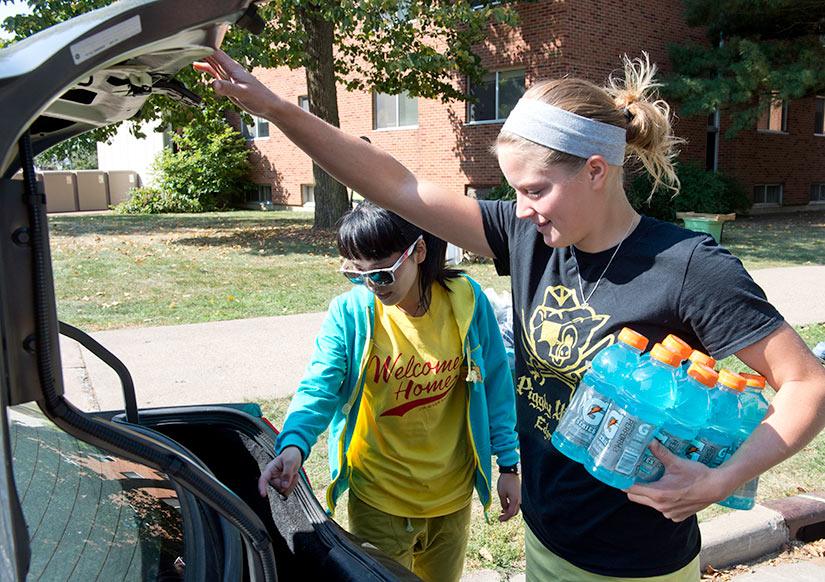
330 391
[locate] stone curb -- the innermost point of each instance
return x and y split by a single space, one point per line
743 536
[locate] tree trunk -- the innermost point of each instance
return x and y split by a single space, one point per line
331 197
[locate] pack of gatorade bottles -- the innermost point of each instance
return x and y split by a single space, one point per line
673 393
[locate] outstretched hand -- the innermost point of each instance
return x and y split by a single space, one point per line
236 83
509 493
686 488
282 472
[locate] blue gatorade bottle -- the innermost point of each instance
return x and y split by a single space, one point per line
718 437
697 357
690 411
681 348
608 371
754 407
638 410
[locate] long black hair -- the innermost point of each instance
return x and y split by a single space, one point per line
371 233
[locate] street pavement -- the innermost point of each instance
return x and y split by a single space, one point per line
262 358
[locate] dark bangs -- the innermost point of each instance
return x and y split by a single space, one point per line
369 232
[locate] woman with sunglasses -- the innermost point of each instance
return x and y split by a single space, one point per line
411 375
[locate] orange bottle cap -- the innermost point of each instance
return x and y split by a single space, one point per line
664 355
633 338
754 380
732 380
698 357
703 374
678 346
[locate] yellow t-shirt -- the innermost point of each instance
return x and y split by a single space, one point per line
410 450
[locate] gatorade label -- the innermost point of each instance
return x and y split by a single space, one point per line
620 441
707 452
584 415
651 468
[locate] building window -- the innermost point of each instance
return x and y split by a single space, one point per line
258 130
303 102
307 194
818 193
775 117
819 116
263 193
496 95
767 194
477 192
392 111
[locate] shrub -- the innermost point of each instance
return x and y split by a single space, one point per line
502 192
151 201
701 191
207 171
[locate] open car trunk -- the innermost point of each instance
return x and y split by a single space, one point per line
234 442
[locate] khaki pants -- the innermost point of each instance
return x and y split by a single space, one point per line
433 548
544 566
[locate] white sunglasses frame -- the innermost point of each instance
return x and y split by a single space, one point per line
363 275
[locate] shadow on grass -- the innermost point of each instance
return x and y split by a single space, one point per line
265 234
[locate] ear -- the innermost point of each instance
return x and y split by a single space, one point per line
596 169
420 252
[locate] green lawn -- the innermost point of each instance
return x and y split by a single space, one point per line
114 271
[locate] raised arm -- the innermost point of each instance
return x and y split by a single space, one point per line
363 167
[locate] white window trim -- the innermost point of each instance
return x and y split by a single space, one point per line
256 120
397 113
497 119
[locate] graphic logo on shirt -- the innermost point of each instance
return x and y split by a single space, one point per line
559 339
417 383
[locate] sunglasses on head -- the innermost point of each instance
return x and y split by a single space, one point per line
380 277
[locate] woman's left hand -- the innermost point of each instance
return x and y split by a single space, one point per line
686 488
509 493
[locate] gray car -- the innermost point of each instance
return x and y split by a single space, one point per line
133 494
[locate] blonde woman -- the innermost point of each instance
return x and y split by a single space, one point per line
583 264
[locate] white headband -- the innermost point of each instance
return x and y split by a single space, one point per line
567 132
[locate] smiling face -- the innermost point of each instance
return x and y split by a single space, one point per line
558 202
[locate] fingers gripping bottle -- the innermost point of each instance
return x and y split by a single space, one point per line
608 371
690 411
716 440
634 416
754 408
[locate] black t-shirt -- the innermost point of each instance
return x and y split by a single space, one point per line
664 279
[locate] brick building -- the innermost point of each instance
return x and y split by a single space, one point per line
780 161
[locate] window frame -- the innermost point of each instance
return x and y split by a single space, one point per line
262 194
819 123
397 102
820 186
764 188
768 114
258 123
497 104
307 194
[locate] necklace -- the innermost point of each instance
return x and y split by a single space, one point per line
586 298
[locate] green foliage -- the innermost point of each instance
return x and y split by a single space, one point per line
701 191
79 153
206 172
151 201
767 47
502 192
